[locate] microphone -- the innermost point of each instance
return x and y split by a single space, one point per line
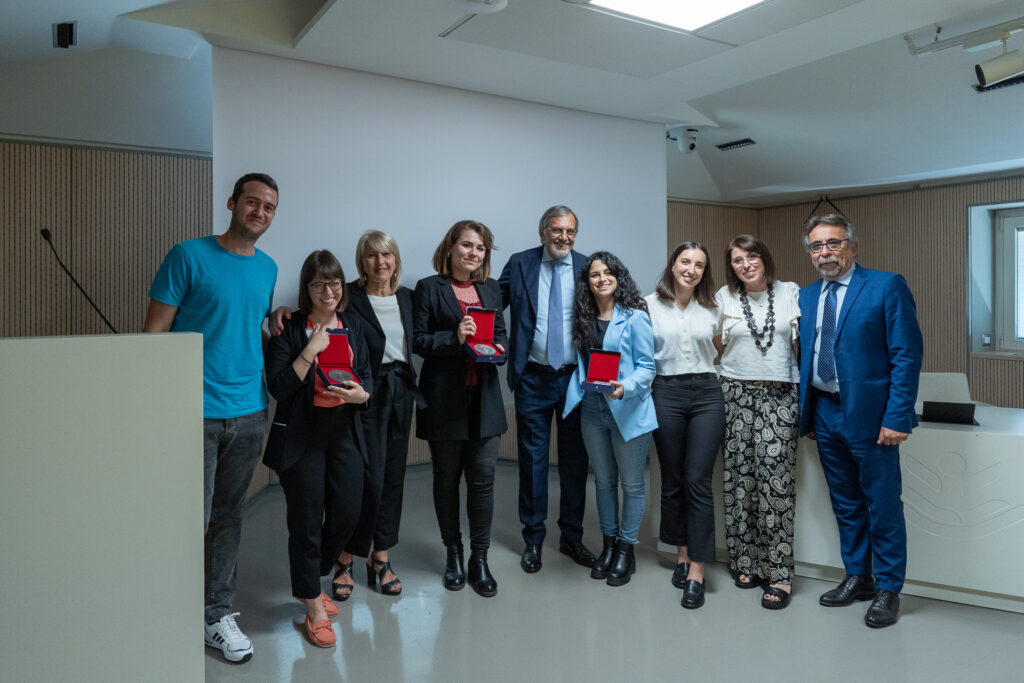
49 240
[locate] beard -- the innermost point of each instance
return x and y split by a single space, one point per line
828 266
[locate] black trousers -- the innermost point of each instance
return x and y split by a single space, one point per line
323 491
691 420
476 458
386 424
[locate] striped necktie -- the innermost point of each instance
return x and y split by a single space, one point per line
555 337
826 351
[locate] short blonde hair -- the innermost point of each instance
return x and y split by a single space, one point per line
378 241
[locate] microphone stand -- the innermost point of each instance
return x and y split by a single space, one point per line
46 236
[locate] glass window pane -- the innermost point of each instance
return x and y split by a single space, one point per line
1019 289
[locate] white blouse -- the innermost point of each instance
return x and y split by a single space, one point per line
741 358
683 340
390 319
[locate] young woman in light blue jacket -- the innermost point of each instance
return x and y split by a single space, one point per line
610 315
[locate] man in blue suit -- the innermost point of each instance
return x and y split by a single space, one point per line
860 359
538 287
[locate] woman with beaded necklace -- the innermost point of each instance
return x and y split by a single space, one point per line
760 378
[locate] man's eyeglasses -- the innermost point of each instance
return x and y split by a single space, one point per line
833 245
320 286
563 232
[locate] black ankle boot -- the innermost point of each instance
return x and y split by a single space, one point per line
623 564
604 560
454 574
480 576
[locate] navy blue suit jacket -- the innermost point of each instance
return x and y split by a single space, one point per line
878 351
518 284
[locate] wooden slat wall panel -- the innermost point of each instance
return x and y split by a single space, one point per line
113 215
711 225
921 234
37 299
997 381
130 209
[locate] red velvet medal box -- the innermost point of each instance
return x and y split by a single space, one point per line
603 368
335 362
481 346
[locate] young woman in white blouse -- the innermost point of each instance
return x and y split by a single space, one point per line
690 410
760 379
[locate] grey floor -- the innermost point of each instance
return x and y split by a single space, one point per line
560 625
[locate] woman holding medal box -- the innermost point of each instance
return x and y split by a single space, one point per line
316 443
611 315
465 414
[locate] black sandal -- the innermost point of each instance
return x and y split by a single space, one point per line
393 587
753 582
781 603
342 591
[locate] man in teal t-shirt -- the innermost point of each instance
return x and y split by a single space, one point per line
222 286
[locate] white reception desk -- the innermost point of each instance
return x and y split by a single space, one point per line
963 496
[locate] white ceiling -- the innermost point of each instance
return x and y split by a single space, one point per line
827 88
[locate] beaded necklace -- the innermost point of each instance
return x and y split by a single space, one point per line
769 321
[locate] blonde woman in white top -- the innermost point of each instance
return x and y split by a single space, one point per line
690 411
759 333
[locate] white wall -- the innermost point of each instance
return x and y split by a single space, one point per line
113 96
353 151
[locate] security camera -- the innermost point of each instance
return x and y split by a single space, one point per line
689 141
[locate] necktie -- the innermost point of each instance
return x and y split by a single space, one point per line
826 351
555 351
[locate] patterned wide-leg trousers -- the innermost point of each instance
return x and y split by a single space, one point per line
759 476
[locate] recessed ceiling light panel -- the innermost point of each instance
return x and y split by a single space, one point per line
688 15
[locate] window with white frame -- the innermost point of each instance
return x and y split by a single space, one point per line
1008 280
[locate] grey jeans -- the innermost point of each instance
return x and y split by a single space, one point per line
231 449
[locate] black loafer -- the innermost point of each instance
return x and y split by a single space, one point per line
851 589
884 610
679 575
530 561
577 551
693 594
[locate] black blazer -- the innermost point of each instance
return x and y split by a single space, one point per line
359 303
293 418
435 318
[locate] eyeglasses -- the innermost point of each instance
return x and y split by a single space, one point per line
749 258
832 244
320 286
563 232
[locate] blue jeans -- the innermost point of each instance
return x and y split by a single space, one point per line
615 460
231 449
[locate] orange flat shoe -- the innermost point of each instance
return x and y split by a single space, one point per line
321 633
329 606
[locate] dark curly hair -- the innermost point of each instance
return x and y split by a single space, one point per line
627 295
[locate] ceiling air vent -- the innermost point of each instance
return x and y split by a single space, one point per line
726 146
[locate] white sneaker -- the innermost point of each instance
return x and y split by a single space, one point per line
226 635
